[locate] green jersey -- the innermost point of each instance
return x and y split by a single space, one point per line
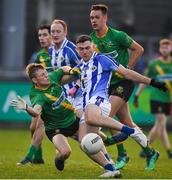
114 43
57 112
43 58
157 69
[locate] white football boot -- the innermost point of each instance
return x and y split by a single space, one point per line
110 174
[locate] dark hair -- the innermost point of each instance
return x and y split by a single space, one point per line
44 26
83 38
165 42
32 68
102 7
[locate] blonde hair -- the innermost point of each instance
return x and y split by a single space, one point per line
59 21
32 68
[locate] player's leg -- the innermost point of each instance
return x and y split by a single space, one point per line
37 141
152 136
100 157
94 117
34 146
139 137
120 93
33 125
163 134
63 148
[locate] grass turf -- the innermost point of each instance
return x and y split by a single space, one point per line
14 144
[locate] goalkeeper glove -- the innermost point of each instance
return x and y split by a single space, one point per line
19 103
75 71
157 84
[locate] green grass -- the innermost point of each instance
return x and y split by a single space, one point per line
14 143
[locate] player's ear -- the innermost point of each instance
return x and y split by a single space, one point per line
34 80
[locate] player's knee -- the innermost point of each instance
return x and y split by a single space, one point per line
89 120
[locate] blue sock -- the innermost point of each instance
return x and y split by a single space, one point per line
109 167
127 130
107 156
120 137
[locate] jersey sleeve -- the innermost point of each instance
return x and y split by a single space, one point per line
56 75
74 57
124 39
36 100
107 63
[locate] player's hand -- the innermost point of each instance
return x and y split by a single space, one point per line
157 84
75 71
19 103
73 90
135 101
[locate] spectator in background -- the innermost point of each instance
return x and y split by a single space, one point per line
160 101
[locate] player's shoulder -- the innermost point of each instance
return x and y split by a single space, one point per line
70 45
40 52
101 57
154 62
92 34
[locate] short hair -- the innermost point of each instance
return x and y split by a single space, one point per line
32 68
63 23
102 7
44 26
83 38
165 42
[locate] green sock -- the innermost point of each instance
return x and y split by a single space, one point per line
147 150
31 152
121 150
38 154
169 151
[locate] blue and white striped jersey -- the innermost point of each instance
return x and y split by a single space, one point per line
66 55
96 75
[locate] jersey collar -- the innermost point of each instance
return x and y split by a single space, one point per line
104 33
91 58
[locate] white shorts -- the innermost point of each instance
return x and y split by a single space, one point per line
103 103
76 102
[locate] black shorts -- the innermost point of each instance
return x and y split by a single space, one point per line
122 89
160 108
69 131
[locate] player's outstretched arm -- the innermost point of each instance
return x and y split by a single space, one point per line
132 75
20 104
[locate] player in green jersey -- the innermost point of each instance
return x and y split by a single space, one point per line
161 69
37 126
45 40
48 101
116 44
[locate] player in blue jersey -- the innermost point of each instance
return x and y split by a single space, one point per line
63 53
96 71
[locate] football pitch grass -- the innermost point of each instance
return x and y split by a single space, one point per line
14 144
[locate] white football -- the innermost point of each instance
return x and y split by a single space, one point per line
91 143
